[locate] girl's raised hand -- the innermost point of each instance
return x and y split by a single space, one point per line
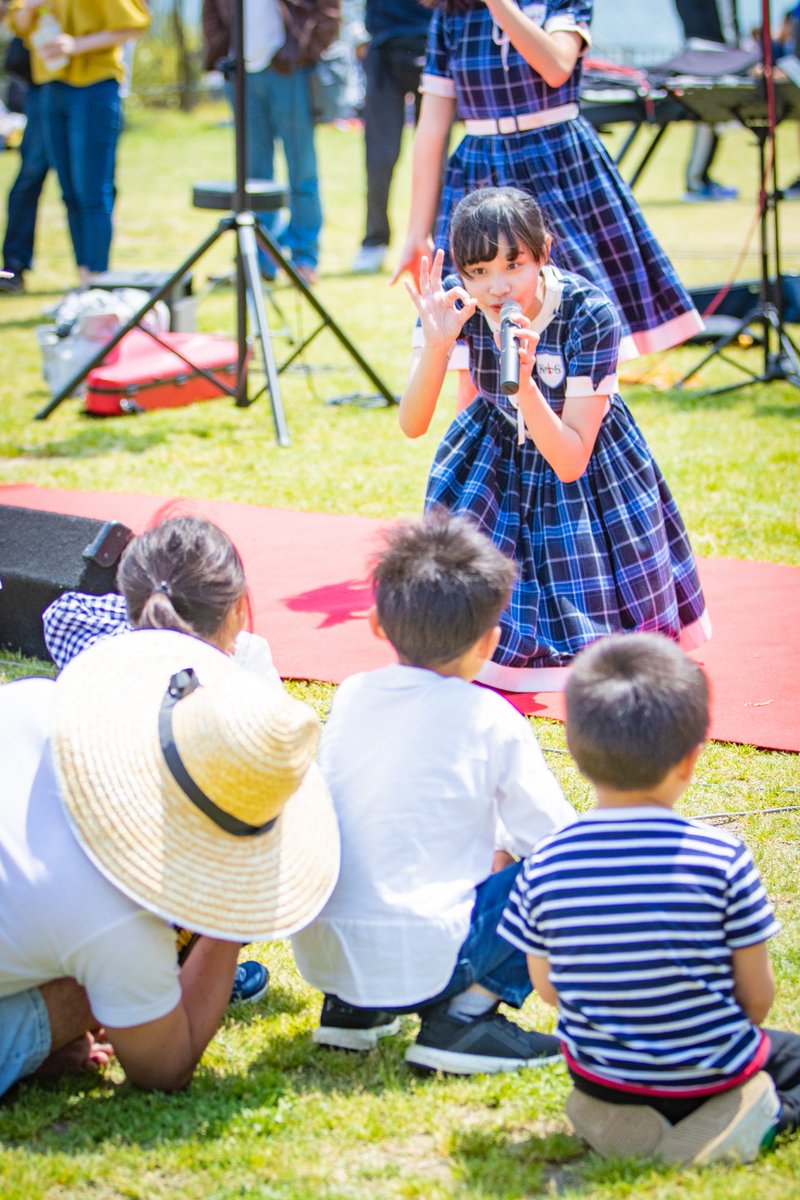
439 317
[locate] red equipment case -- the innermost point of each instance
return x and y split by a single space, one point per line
139 373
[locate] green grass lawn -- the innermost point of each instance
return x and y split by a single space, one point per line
268 1115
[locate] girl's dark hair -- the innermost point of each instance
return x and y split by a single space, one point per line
488 216
184 574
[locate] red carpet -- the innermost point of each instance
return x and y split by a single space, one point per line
309 578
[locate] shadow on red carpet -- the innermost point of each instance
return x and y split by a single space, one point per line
309 577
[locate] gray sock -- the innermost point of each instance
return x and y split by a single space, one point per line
470 1005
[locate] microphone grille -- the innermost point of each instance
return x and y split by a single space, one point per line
510 309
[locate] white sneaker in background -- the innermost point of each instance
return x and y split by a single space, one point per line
369 260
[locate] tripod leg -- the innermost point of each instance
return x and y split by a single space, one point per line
270 245
248 249
721 345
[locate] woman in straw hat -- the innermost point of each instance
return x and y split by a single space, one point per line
166 785
182 573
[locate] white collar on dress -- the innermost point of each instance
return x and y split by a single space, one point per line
553 291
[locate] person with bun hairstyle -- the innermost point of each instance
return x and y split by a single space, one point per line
154 782
183 574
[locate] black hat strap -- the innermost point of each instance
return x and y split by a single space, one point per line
181 685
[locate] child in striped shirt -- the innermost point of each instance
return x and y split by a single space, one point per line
648 931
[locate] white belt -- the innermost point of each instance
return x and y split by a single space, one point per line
523 122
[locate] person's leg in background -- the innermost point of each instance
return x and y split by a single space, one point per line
260 134
699 184
23 199
392 70
56 125
81 132
290 97
95 119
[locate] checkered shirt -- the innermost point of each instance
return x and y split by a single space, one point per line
598 229
76 621
470 57
606 553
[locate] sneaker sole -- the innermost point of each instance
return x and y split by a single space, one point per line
256 996
353 1039
429 1058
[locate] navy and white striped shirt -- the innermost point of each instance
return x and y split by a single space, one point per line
638 911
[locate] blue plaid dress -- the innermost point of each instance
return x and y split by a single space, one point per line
599 231
607 553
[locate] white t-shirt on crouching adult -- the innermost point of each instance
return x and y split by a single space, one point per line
428 775
59 915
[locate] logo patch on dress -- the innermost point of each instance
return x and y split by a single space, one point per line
551 369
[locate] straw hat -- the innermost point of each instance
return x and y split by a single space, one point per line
204 805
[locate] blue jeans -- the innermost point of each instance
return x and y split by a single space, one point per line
23 199
82 126
24 1036
279 106
485 957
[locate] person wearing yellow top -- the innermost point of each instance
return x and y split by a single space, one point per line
76 54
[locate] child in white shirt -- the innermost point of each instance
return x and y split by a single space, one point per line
431 776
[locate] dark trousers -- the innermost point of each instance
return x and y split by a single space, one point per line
23 199
783 1067
392 71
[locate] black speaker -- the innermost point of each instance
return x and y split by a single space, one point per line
43 554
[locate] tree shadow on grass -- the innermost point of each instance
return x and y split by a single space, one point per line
268 1098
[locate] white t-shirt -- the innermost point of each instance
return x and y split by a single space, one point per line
59 916
264 33
428 775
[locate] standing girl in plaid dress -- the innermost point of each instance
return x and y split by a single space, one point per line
511 70
559 476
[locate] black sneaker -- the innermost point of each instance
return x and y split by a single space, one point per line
11 281
249 983
483 1046
348 1028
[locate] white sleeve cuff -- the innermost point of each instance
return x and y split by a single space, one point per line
567 24
458 359
581 385
437 85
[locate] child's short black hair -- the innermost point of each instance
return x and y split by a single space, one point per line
636 705
439 585
488 216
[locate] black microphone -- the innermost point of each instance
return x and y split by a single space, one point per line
509 349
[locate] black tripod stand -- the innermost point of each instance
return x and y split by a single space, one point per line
243 198
776 102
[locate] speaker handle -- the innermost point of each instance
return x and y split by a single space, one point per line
107 546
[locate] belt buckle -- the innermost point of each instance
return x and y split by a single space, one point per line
507 125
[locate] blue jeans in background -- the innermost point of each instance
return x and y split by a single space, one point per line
82 127
279 107
23 199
